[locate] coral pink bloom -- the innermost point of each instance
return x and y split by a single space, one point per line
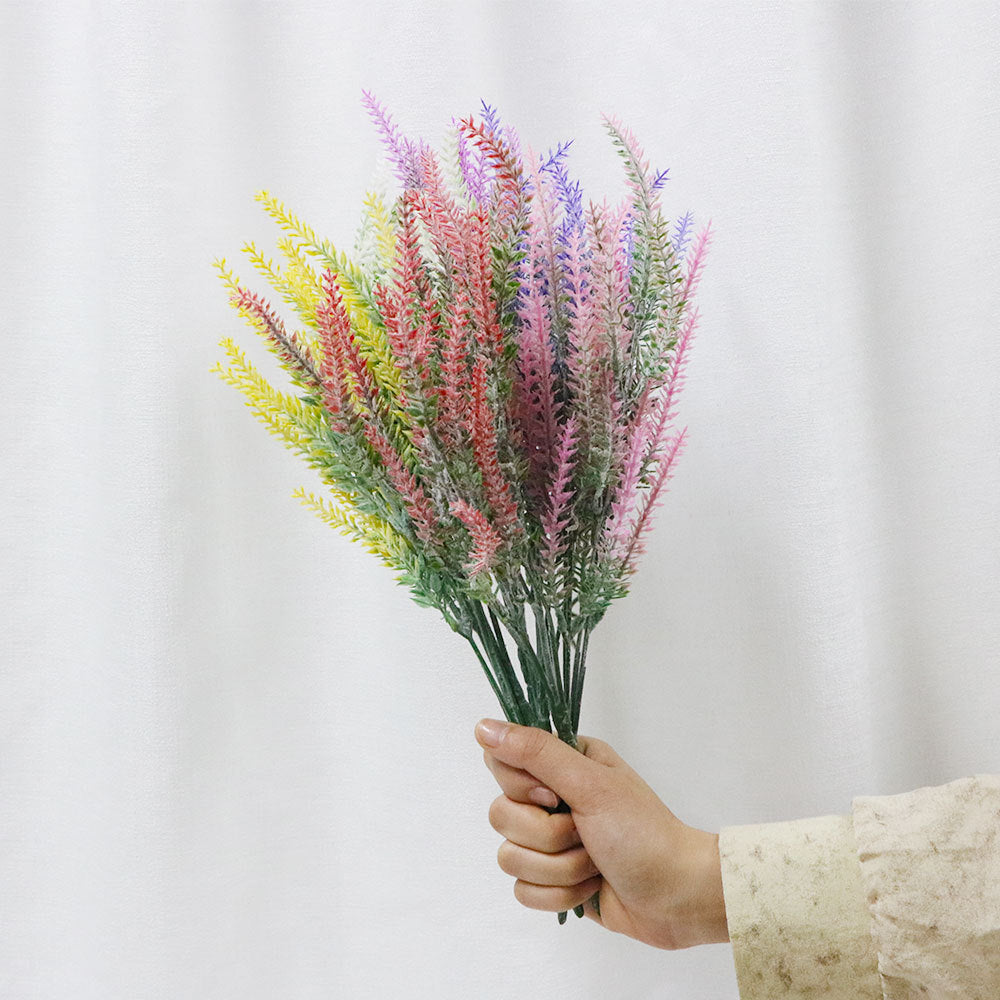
485 541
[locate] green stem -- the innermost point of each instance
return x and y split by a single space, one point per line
579 673
535 706
536 690
561 714
502 645
567 674
534 674
508 709
506 677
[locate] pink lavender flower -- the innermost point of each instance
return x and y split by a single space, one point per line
559 513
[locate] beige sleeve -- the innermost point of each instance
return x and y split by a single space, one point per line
798 921
930 867
900 900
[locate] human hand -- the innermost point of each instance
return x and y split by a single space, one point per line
659 880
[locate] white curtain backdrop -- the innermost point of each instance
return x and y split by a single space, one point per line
236 761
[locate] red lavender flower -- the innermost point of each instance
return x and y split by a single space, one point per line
509 194
410 335
296 356
453 390
482 430
485 540
487 325
334 327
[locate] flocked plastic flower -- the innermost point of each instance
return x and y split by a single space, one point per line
487 388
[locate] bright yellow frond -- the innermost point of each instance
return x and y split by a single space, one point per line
294 289
284 415
302 287
227 276
323 250
377 536
303 283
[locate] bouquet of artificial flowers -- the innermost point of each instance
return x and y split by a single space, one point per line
488 389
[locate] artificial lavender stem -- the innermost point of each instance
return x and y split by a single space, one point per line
502 647
507 681
581 670
533 663
566 669
507 709
553 637
504 665
561 714
536 690
544 653
512 615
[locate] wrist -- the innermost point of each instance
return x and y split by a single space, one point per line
715 924
703 917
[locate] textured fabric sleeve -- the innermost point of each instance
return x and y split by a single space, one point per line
930 867
798 921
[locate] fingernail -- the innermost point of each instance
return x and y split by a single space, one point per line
491 732
543 797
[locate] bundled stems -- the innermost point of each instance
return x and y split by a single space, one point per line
548 692
552 698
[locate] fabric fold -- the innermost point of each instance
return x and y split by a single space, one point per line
930 868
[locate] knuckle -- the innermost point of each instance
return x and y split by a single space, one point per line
532 896
581 866
561 833
505 858
497 812
567 897
492 764
554 839
553 842
533 742
601 752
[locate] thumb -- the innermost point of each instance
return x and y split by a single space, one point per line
571 775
